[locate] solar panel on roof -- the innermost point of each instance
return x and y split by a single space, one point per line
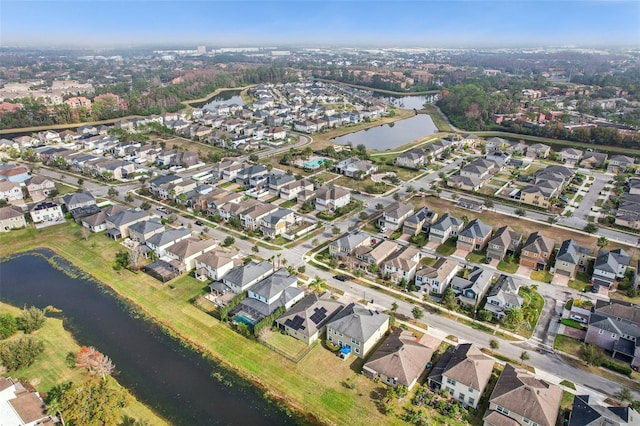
319 315
294 322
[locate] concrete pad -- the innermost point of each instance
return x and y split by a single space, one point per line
494 262
461 253
561 280
524 271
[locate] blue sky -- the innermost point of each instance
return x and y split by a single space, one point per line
427 23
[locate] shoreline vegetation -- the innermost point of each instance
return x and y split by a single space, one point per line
302 388
51 367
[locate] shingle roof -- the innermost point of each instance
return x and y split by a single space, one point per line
447 221
168 236
146 226
469 366
538 243
310 314
476 229
610 261
126 216
592 414
10 212
189 246
247 273
358 322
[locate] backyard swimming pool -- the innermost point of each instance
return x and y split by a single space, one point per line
315 163
244 319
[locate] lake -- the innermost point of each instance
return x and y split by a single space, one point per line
407 102
392 135
175 381
226 97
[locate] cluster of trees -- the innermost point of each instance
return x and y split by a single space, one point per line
22 352
94 362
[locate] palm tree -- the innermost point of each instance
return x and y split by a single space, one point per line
318 284
603 242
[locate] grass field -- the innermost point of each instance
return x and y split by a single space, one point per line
506 266
447 248
51 368
311 386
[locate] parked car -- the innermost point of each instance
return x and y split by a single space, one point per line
340 277
199 223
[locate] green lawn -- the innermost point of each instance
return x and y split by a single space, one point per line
567 344
52 368
582 281
64 189
447 248
288 204
542 276
285 343
572 323
568 384
506 266
475 257
312 386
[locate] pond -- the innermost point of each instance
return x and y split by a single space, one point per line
175 381
391 135
226 97
407 102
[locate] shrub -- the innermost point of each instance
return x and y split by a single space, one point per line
8 325
20 353
31 319
618 368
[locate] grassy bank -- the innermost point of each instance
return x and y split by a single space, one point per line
313 385
51 368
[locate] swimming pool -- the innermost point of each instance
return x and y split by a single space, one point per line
245 320
315 163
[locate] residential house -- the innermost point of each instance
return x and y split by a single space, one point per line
399 361
215 264
118 224
187 250
40 186
402 265
244 176
21 406
585 413
355 168
503 296
464 372
571 155
357 329
159 242
470 291
15 174
142 231
501 158
240 278
331 198
46 211
493 144
436 278
615 327
97 222
279 289
620 163
593 159
278 182
375 255
394 215
475 174
11 218
412 159
519 398
609 267
505 241
570 258
307 319
10 191
628 213
474 236
536 252
291 190
162 185
547 184
470 139
78 199
251 217
446 227
539 150
420 221
276 223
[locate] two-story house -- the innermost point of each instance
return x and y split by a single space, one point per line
436 278
307 319
187 250
142 231
402 265
519 398
357 329
586 413
570 258
11 218
291 190
79 199
46 211
118 224
240 278
394 215
609 267
505 241
446 227
470 291
474 236
355 168
375 255
159 242
537 251
277 222
345 245
10 191
412 159
464 372
571 155
215 264
420 221
331 198
503 296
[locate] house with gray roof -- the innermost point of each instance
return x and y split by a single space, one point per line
118 224
399 361
78 199
571 155
586 413
505 241
503 296
570 258
609 267
185 251
395 214
161 241
277 222
307 319
593 159
464 372
436 278
357 329
519 398
279 289
620 163
446 227
470 291
242 277
346 244
615 327
251 172
474 236
141 231
412 159
420 221
537 251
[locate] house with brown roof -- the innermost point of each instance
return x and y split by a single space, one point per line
395 214
505 241
375 255
399 361
436 278
308 318
464 372
215 264
537 251
291 190
331 198
521 399
40 186
11 218
185 251
19 406
10 191
402 265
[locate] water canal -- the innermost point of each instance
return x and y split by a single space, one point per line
175 381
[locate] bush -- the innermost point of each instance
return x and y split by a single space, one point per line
228 241
20 353
618 368
8 325
31 319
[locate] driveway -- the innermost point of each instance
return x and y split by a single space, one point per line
562 280
524 271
